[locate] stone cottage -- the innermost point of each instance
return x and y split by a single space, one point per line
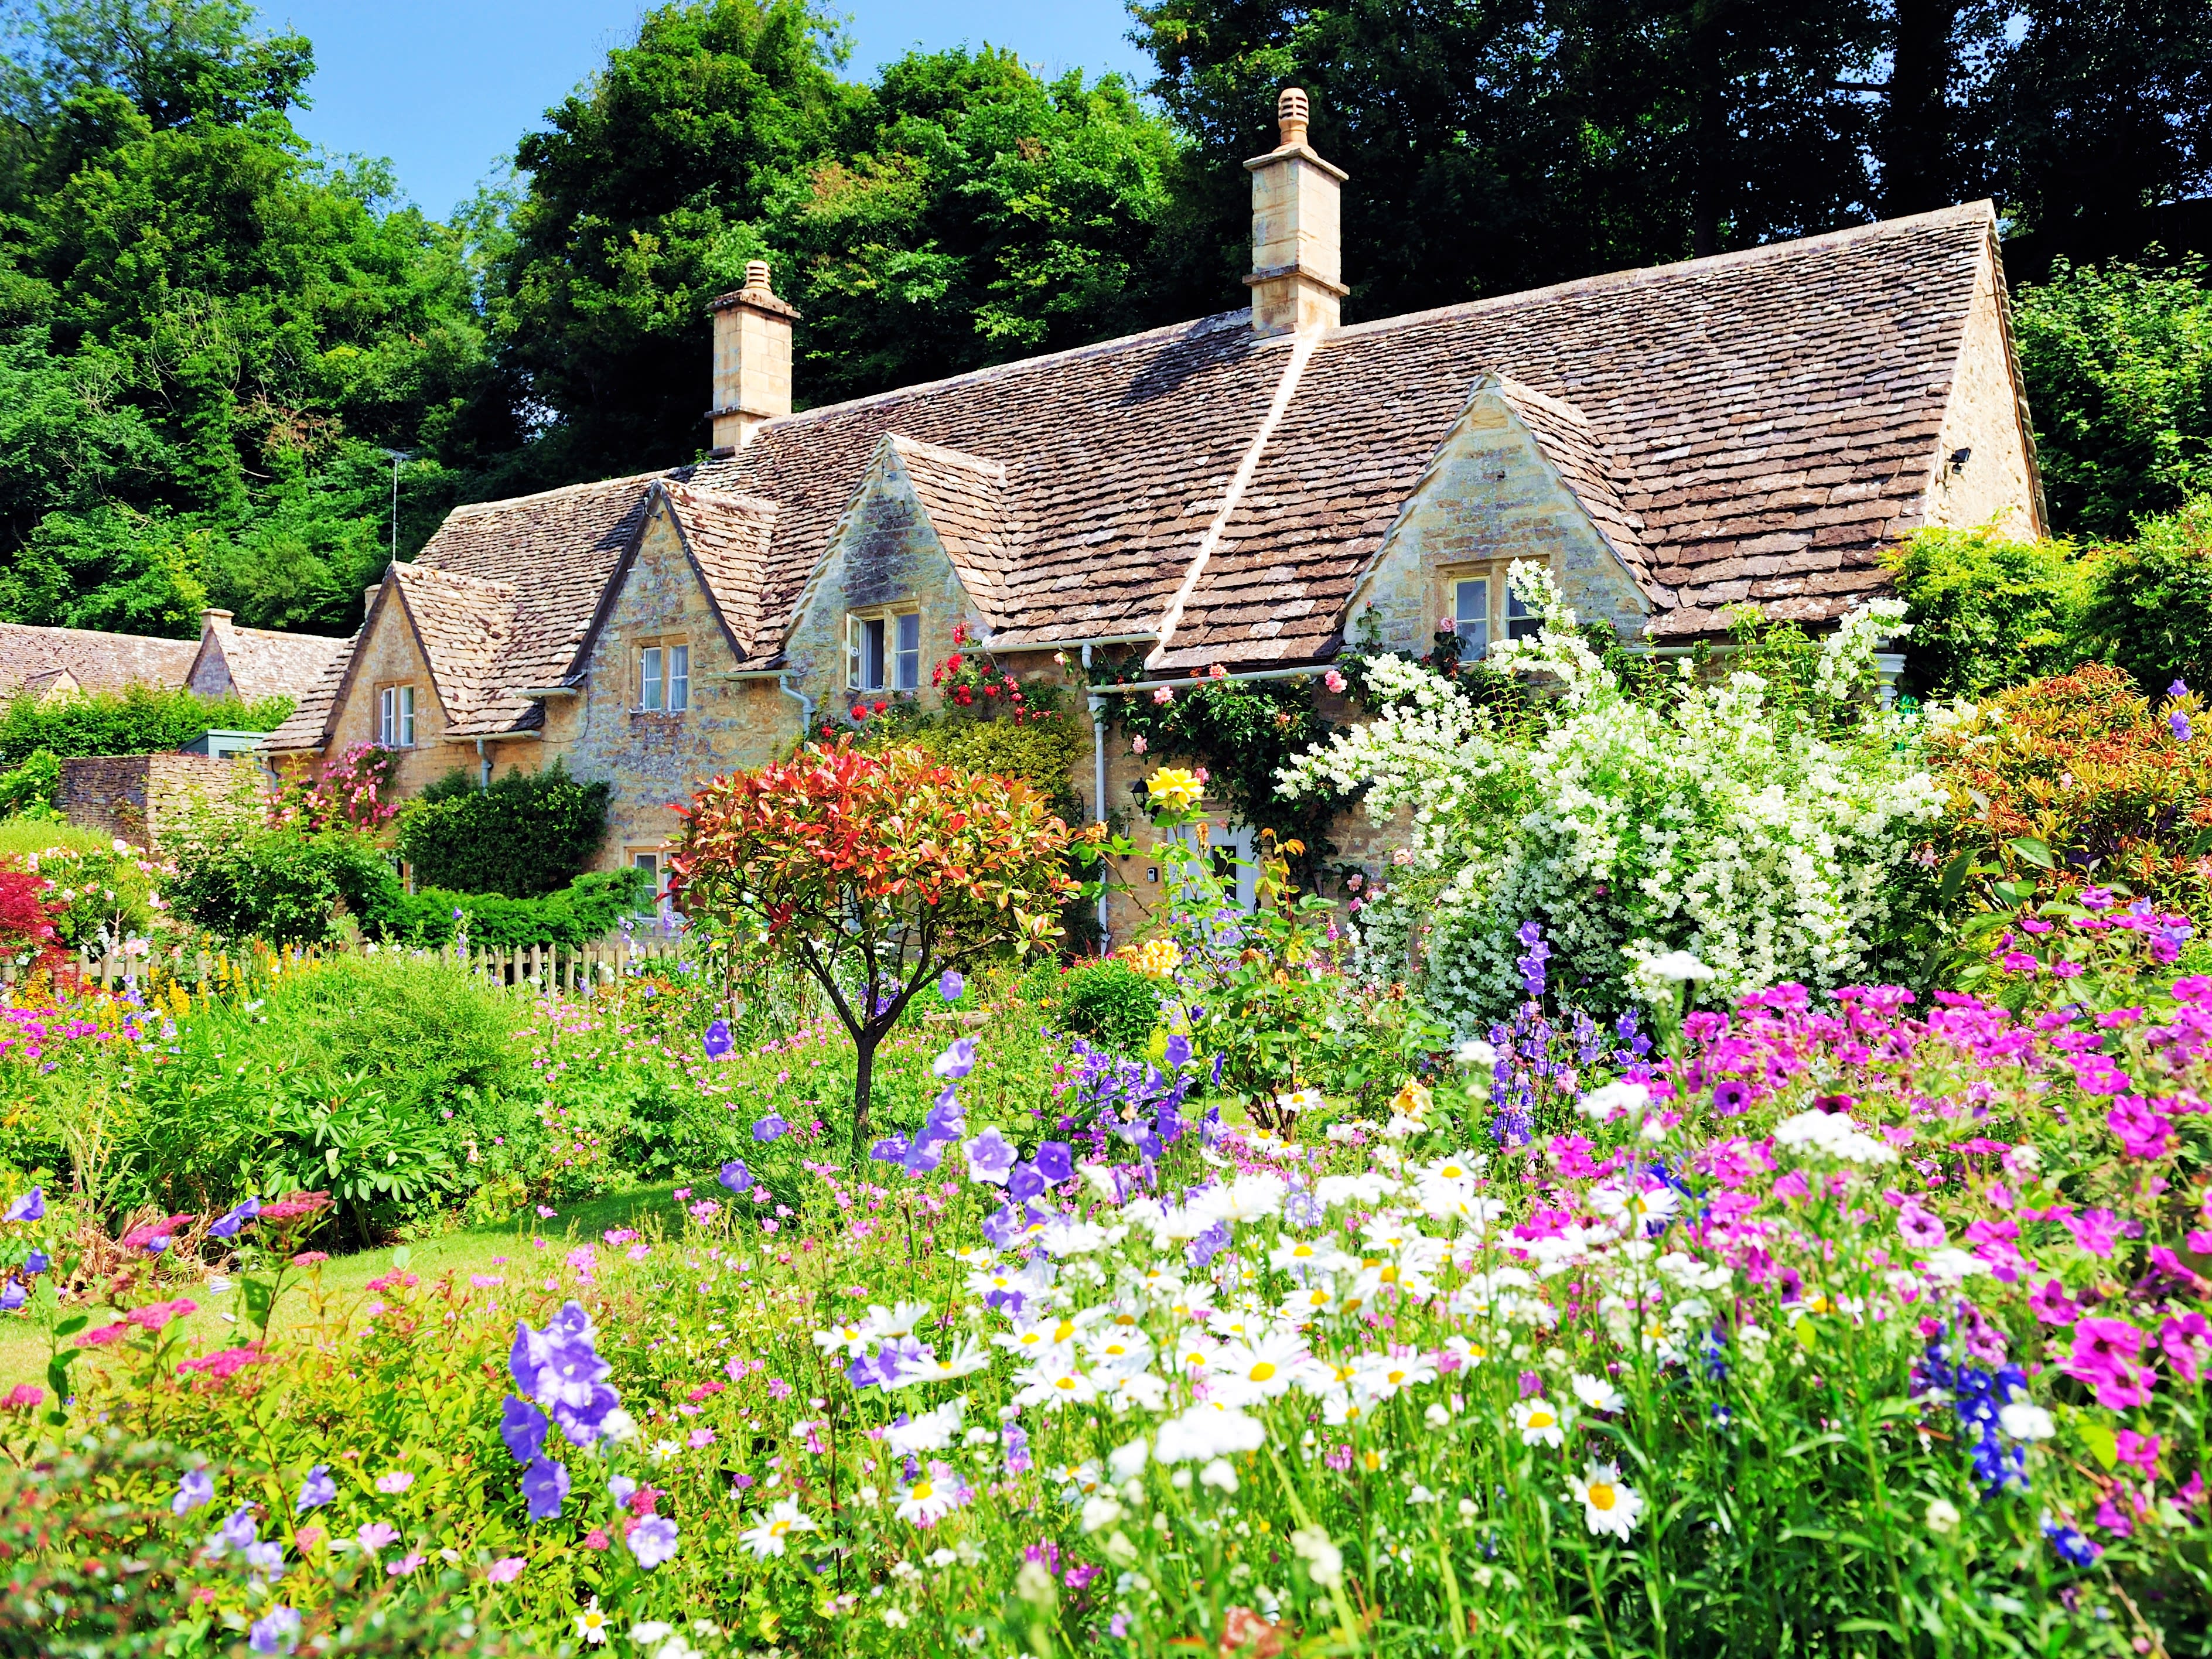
247 663
1244 491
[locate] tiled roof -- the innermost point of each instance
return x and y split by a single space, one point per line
37 657
1757 426
471 638
303 728
262 662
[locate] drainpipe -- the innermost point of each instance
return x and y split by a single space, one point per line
1098 787
806 703
484 768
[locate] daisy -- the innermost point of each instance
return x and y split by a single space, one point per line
1597 1394
1246 1372
899 1321
1122 1389
1053 1381
851 1338
765 1537
1538 1423
930 1500
1380 1377
1305 1256
963 1361
1607 1505
592 1625
1117 1349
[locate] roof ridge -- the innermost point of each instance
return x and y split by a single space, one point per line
1603 282
502 502
679 487
967 457
1193 329
407 570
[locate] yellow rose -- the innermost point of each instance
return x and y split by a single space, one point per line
1159 958
1411 1101
1174 787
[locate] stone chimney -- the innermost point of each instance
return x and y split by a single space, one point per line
1297 234
752 359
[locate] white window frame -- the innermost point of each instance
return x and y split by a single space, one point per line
395 716
882 650
663 675
1505 616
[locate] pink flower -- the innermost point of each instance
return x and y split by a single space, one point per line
155 1315
505 1571
485 1281
702 1438
2095 1232
23 1397
406 1563
375 1535
1164 694
2093 1074
2051 1303
2187 1343
1921 1229
2138 1451
1137 745
1334 680
394 1481
2142 1133
2105 1357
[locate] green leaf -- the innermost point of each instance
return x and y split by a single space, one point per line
2034 851
2103 1442
401 1255
1955 877
259 1296
72 1325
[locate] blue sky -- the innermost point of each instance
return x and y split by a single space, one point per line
444 89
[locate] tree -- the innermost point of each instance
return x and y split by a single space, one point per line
876 873
2150 614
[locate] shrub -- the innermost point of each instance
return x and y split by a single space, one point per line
2080 777
2150 613
529 834
139 720
282 883
103 894
1112 1003
1757 833
589 908
30 789
1038 753
2118 366
1988 612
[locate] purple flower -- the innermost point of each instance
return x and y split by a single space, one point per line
522 1425
36 1262
1921 1229
990 1156
950 986
559 1369
735 1176
546 1484
2179 722
891 1149
12 1296
240 1213
196 1489
957 1060
1177 1054
317 1490
1731 1097
1017 1441
1054 1163
2178 689
718 1040
922 1156
945 1120
31 1206
771 1128
1024 1183
277 1630
2072 1547
653 1541
235 1533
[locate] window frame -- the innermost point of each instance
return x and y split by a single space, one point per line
395 715
658 688
1507 618
876 656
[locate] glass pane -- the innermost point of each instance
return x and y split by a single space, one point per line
648 678
646 860
871 666
679 678
1521 621
1471 615
406 717
383 717
909 652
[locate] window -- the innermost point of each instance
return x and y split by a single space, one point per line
884 653
1521 623
395 717
1471 617
664 678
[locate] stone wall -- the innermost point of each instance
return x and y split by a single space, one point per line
1982 472
390 655
140 798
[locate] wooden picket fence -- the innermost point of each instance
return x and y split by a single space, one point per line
530 970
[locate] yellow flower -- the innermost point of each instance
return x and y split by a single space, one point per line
1175 788
1159 958
1411 1101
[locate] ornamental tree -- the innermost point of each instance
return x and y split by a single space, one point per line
876 872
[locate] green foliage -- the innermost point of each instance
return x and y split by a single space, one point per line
2118 366
2150 613
528 835
1111 1003
1987 613
1041 753
102 893
141 720
588 909
28 790
241 877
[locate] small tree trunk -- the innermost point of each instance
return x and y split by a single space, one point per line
864 1069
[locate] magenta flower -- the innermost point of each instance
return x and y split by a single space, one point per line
1921 1229
2142 1133
2105 1357
2050 1304
2096 1231
2186 1341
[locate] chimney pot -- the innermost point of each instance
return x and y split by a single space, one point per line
1297 231
752 359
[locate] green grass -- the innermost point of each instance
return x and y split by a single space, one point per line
476 1249
21 836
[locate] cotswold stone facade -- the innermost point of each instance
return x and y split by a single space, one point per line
1251 491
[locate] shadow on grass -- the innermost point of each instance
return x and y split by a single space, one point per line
472 1250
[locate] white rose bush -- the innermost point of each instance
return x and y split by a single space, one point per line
1761 839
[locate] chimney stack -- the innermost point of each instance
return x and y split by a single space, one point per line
752 359
1297 231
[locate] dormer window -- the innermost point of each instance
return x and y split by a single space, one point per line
664 677
395 716
883 651
1484 608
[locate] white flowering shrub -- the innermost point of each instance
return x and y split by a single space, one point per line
1758 834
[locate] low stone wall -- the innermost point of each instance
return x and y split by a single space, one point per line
137 797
